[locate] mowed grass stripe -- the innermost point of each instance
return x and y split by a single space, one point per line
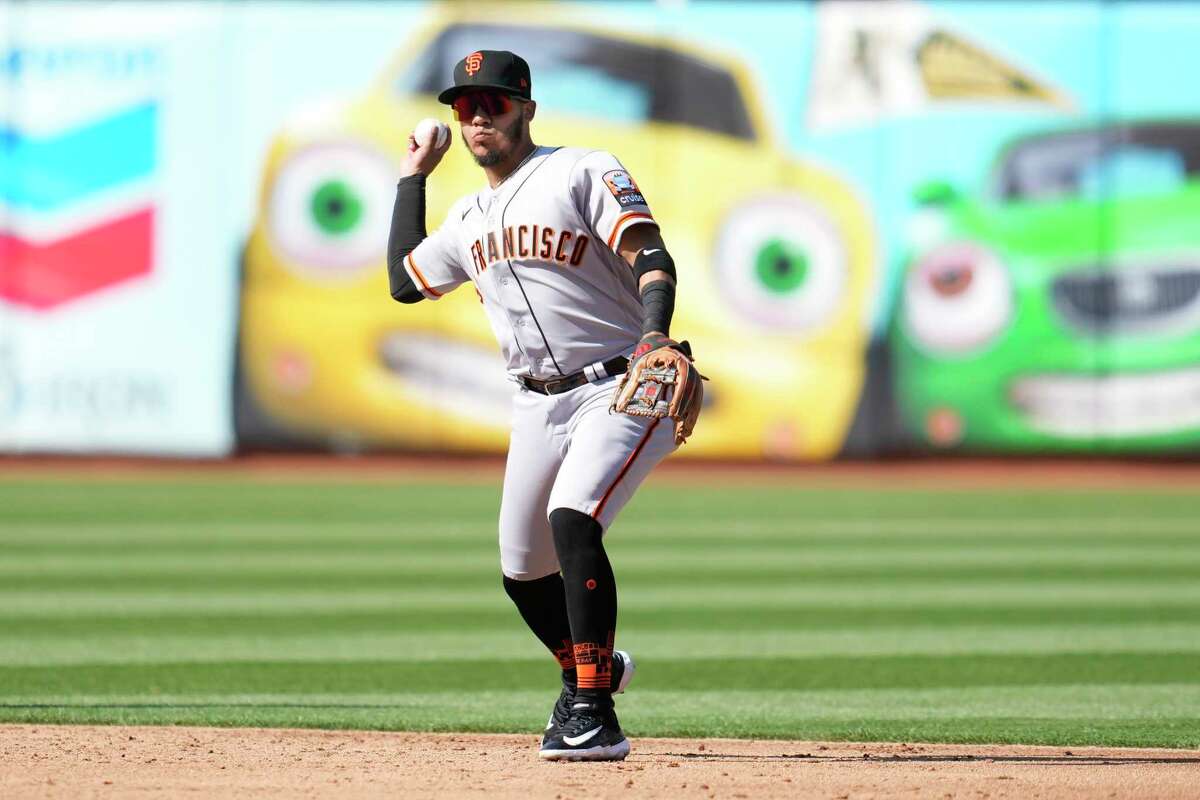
689 716
119 501
769 532
748 599
404 559
483 553
791 605
759 674
514 643
631 619
366 578
1116 702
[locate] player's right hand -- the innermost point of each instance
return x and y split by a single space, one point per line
424 158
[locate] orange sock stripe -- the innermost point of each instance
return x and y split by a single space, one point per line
595 683
593 666
565 655
590 677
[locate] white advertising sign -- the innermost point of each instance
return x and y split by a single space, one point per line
117 261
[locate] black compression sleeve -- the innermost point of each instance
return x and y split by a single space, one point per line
658 306
408 231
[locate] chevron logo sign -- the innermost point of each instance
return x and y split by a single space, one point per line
76 211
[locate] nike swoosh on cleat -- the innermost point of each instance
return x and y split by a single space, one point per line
655 250
575 741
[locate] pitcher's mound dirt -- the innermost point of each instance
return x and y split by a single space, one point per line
104 762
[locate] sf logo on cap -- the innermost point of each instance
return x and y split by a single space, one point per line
474 62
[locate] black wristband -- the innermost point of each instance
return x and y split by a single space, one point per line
408 231
658 306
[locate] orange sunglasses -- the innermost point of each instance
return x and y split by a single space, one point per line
492 102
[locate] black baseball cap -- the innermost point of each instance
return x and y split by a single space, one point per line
490 69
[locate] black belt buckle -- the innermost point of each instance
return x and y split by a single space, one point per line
547 387
551 387
532 384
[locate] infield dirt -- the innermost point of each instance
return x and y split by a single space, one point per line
47 761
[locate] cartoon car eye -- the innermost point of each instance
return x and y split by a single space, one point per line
782 264
330 208
957 298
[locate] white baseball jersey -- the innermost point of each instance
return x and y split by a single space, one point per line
540 249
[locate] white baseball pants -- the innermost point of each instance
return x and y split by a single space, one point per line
568 451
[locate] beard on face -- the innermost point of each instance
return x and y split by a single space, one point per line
515 134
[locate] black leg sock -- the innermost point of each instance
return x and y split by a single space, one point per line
543 606
591 599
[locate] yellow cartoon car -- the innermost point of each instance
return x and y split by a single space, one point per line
776 257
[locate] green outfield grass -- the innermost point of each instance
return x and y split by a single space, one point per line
967 616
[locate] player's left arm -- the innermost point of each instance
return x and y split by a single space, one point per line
643 249
661 380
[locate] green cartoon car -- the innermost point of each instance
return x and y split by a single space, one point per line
1060 311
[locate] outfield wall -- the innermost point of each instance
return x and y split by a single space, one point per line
930 226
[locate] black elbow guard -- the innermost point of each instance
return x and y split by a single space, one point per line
652 259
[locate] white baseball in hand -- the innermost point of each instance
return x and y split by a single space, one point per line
430 131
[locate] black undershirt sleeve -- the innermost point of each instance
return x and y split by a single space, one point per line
408 231
658 306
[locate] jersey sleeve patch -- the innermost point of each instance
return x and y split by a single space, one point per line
622 186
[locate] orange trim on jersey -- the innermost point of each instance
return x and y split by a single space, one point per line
628 463
416 273
622 223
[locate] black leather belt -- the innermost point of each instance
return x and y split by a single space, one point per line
589 374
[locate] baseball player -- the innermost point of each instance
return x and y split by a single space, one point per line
579 289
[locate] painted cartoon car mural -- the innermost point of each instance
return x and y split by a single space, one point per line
776 256
1061 310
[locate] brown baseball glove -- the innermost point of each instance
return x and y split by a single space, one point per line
661 382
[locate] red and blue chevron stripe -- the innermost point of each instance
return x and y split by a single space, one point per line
76 214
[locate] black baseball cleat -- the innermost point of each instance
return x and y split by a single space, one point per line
622 670
591 733
622 673
560 713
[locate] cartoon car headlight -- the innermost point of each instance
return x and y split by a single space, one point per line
783 263
957 298
330 208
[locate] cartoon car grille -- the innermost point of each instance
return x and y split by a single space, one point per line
1156 299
